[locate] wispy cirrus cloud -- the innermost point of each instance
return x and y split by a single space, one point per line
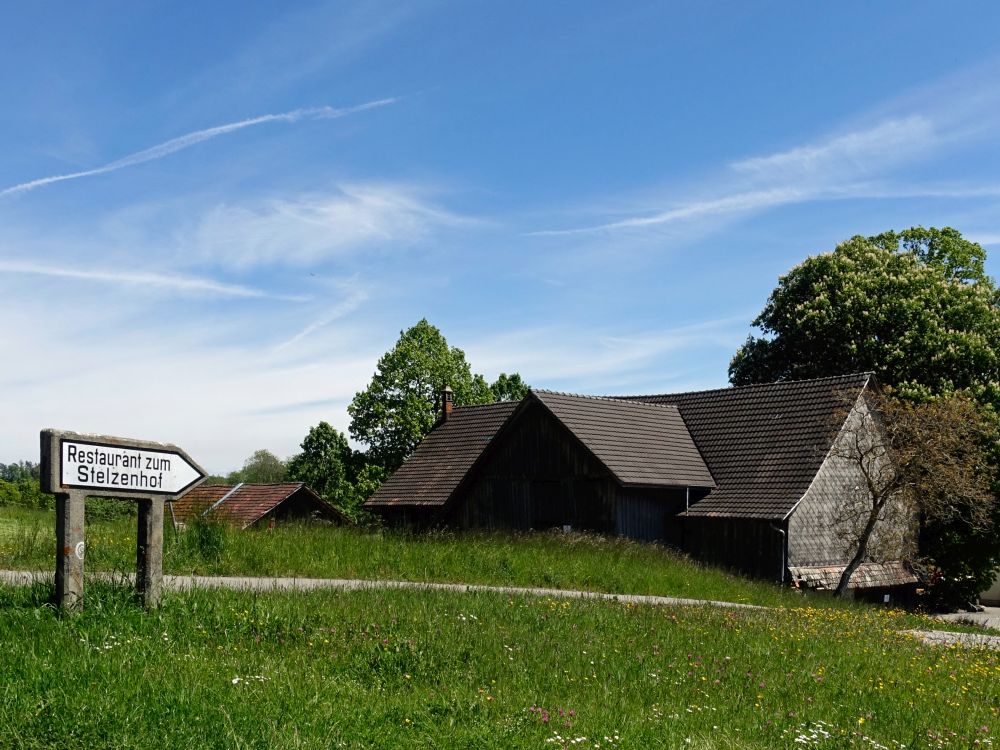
188 140
849 154
871 157
835 168
589 360
142 279
308 229
728 204
991 239
752 201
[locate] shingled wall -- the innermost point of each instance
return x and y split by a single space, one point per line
815 534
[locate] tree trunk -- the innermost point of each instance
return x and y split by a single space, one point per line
859 555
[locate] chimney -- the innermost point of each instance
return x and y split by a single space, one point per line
446 403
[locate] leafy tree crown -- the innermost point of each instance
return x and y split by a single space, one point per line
397 408
915 307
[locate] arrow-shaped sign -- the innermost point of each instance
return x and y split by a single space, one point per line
115 466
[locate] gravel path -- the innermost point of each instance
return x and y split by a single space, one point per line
247 583
945 638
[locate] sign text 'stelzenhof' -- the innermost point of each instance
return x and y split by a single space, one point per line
102 466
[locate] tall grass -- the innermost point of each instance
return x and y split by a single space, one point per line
435 669
551 560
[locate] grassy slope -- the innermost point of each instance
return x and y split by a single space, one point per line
433 669
557 561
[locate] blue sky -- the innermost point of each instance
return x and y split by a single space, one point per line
214 218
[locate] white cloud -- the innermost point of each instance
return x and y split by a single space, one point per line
834 168
141 279
726 205
309 229
87 366
986 239
862 160
199 136
851 154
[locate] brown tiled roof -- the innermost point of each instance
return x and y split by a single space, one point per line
198 500
762 443
243 505
867 576
442 459
640 444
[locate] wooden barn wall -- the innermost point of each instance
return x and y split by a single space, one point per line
650 514
538 477
749 546
416 517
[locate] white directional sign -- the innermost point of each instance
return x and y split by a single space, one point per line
121 468
77 465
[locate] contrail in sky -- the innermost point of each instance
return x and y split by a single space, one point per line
185 141
190 284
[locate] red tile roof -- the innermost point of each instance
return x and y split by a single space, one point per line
244 504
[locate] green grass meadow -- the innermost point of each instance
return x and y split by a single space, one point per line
434 669
440 670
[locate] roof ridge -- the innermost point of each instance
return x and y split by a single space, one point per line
261 484
612 399
479 406
748 386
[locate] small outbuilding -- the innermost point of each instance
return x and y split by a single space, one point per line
246 505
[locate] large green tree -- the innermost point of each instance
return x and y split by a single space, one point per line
399 406
19 485
917 308
914 307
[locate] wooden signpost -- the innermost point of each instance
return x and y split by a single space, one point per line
75 466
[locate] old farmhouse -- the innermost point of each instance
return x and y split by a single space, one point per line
740 477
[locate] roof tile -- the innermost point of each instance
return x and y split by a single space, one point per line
762 443
641 444
442 459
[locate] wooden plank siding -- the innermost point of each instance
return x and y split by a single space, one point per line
751 547
650 514
537 476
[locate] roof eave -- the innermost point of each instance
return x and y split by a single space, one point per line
665 485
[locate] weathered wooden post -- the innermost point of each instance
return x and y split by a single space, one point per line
69 548
149 551
75 465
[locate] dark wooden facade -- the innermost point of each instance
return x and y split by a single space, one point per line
754 547
539 476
